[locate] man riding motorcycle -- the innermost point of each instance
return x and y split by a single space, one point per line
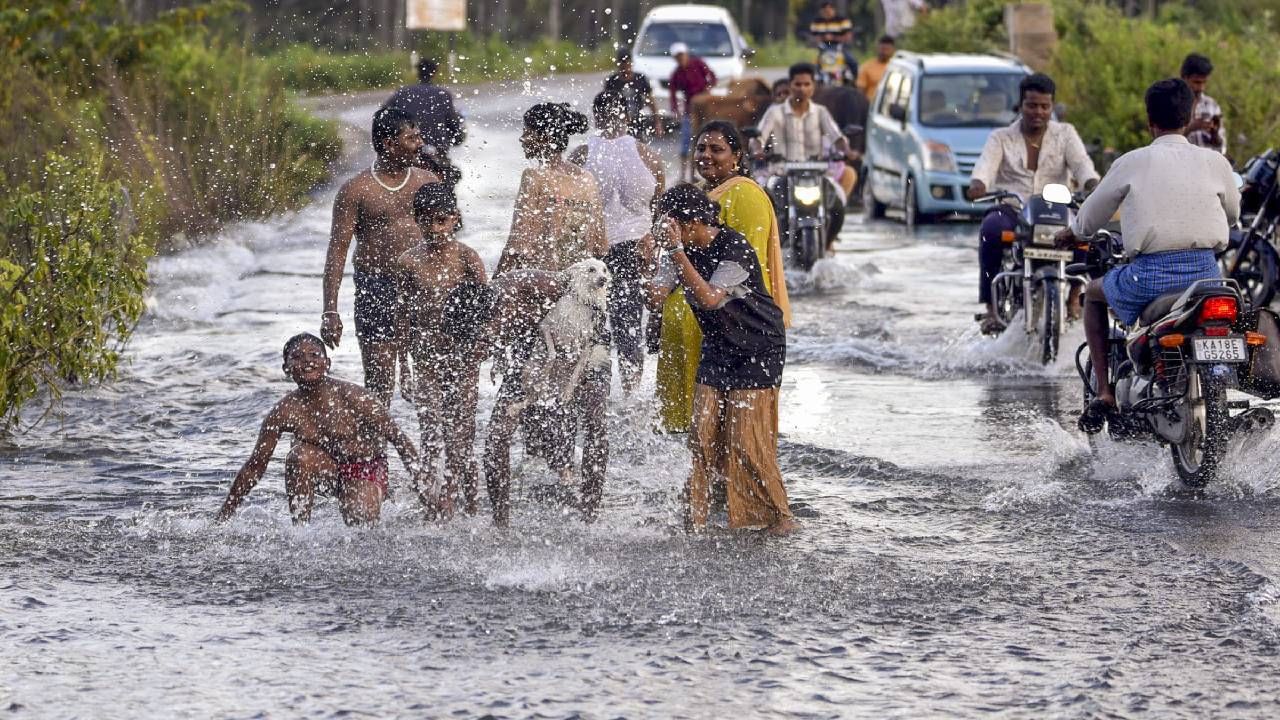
1177 204
833 36
438 121
1034 151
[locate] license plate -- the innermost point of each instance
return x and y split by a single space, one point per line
1037 253
1220 350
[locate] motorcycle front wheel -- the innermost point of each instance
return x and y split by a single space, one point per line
1050 322
1197 456
807 249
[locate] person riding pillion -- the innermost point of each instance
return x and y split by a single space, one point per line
1177 203
1034 151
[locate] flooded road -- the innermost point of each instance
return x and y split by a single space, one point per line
962 553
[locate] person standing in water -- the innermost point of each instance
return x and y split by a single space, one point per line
340 433
444 384
744 347
558 218
630 176
376 207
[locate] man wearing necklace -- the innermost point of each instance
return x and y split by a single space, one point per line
376 207
1034 151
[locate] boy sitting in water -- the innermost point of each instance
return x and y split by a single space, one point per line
446 374
340 432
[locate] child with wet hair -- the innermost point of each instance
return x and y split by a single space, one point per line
444 382
559 218
340 434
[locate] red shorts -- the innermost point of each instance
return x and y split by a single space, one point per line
365 471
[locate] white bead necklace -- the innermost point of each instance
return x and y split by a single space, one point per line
407 173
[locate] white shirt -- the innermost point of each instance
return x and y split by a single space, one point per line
1003 163
1171 195
799 137
626 186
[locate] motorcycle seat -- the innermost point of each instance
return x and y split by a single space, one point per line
1158 308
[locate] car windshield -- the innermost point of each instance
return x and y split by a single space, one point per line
986 100
704 39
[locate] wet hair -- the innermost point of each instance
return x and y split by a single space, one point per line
1169 104
802 68
1039 83
1196 64
555 122
466 310
688 203
887 40
427 69
732 138
435 198
610 107
387 124
293 342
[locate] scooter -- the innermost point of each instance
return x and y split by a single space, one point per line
1036 279
1171 371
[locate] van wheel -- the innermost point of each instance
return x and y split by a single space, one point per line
873 209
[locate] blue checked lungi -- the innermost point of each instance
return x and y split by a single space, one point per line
1131 288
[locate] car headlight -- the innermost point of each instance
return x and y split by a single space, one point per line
808 194
938 157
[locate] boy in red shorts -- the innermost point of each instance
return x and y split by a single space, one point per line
340 433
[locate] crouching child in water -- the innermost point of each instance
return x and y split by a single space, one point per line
446 374
340 432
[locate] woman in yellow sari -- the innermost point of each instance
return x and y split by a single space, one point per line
720 158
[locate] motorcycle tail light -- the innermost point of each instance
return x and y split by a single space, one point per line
1218 308
1217 331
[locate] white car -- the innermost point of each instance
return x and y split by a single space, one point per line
710 33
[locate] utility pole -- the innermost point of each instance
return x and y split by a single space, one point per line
553 20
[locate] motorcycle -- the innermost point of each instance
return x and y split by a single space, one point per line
1171 371
1251 259
835 65
1036 279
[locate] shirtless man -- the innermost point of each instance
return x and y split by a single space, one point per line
340 432
502 316
376 207
446 375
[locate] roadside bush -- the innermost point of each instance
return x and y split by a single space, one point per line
72 275
175 116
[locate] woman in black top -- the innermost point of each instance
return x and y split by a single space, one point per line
744 347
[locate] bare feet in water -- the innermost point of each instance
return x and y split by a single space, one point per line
783 527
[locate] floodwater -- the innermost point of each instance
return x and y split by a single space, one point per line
963 552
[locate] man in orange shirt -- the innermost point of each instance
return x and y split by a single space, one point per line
872 71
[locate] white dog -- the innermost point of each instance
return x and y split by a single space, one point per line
570 338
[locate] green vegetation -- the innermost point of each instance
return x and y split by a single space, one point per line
1105 62
173 119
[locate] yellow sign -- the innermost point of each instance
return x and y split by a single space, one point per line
436 14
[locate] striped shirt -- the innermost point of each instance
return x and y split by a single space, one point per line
1206 108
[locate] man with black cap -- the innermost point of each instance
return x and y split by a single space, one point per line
636 89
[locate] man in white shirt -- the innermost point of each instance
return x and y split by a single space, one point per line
1177 203
800 129
1034 151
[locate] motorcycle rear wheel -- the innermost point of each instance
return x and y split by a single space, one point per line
1258 272
1196 458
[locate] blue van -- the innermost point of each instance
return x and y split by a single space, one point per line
926 128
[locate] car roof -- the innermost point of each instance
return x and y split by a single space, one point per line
688 12
944 63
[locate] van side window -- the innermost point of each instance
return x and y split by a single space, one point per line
904 96
890 95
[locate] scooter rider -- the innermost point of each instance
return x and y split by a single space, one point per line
1034 151
1177 203
801 129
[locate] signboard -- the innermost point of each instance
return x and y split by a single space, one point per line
436 14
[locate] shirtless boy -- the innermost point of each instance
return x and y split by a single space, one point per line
446 375
503 316
376 207
340 432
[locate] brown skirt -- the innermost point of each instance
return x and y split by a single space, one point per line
735 441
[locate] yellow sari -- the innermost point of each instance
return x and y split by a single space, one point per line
745 207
